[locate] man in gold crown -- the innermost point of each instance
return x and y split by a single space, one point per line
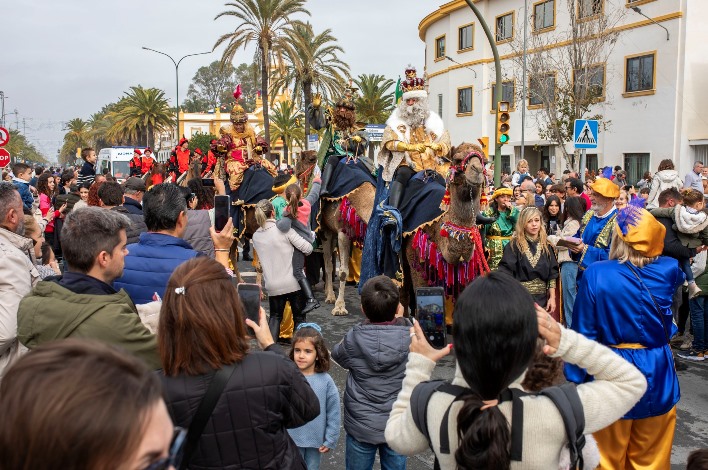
246 148
414 139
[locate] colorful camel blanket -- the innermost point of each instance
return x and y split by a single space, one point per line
348 175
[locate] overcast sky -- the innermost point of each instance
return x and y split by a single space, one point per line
66 59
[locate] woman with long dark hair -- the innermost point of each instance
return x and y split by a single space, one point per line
47 190
495 327
552 217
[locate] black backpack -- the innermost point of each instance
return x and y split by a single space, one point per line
565 397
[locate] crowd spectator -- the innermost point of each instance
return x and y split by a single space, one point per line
694 178
45 266
645 182
638 331
81 404
66 180
622 200
620 178
542 177
6 176
275 253
498 233
495 330
264 393
92 200
111 197
552 215
665 178
23 173
559 190
198 222
17 273
540 192
375 354
205 196
134 192
83 195
47 191
522 171
88 170
574 188
38 170
83 302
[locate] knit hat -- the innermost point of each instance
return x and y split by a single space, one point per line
282 181
502 192
640 230
605 187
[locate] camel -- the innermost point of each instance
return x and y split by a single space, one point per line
156 175
334 231
455 233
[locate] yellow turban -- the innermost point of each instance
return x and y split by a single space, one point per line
605 187
281 187
502 192
640 230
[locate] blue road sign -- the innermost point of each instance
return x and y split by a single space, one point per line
585 135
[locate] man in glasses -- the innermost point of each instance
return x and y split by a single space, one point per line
574 188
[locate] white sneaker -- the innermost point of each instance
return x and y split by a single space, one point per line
687 342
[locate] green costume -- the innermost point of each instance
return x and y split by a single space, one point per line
279 204
498 233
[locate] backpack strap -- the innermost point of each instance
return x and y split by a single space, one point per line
517 421
567 400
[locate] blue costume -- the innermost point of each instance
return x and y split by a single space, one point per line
630 325
596 233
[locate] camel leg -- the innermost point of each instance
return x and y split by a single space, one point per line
328 249
340 307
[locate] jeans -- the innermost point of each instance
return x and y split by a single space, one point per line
569 284
685 265
699 321
360 456
311 456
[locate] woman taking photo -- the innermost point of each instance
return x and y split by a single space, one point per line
275 254
552 214
495 328
498 233
202 333
573 212
530 259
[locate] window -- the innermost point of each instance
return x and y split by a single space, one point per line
544 15
505 27
465 37
440 47
591 162
506 163
507 94
440 104
639 73
589 8
542 89
464 100
590 83
635 164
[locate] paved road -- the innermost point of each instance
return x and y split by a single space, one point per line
692 421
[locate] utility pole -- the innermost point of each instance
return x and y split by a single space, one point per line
2 109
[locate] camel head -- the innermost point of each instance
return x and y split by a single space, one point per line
467 172
305 161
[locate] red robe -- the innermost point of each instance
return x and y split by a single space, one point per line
135 166
146 164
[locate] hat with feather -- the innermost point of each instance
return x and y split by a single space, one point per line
640 230
238 114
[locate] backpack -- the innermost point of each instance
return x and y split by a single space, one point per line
565 397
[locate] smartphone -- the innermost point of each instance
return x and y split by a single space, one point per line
208 182
222 208
430 313
250 295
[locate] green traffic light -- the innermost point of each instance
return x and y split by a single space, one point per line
503 139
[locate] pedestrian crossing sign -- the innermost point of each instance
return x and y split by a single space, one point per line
585 135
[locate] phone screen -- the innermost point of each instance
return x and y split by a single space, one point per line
222 206
250 295
430 313
208 182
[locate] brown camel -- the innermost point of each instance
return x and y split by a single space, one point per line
457 223
334 231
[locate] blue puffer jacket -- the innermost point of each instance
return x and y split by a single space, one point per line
150 263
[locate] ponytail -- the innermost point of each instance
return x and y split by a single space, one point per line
484 437
293 193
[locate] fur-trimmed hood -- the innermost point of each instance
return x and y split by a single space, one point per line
433 124
689 223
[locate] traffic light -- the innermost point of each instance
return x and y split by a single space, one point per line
484 143
503 122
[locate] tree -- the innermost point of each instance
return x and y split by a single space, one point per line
287 125
78 136
210 83
21 149
201 141
260 22
375 100
139 114
100 124
312 61
564 77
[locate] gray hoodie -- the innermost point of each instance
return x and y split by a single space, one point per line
376 356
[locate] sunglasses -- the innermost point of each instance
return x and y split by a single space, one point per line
174 457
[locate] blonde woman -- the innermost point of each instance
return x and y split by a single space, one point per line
529 258
522 171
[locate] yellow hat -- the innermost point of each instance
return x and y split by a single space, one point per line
605 187
280 183
502 192
640 230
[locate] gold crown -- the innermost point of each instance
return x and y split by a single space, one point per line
412 81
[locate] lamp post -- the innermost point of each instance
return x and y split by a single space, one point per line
176 78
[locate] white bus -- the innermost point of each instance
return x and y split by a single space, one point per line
116 160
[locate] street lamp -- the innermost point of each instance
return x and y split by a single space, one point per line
637 10
176 77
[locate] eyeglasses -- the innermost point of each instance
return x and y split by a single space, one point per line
175 455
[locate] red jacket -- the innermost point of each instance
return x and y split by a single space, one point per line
135 166
208 162
146 164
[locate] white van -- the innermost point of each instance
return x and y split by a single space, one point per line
116 160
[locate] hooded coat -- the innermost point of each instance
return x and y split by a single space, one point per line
662 180
376 356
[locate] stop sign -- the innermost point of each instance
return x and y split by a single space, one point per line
4 158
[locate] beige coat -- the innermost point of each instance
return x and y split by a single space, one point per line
17 277
570 228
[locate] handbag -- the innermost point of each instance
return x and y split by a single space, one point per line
206 408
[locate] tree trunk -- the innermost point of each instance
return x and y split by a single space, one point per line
285 151
307 88
264 92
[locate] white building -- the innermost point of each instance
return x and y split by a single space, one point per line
655 91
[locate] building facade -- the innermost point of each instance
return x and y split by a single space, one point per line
652 87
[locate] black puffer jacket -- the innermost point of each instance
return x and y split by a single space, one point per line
137 224
247 430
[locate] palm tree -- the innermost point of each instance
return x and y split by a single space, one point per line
100 124
139 114
375 102
312 61
260 22
78 135
287 125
